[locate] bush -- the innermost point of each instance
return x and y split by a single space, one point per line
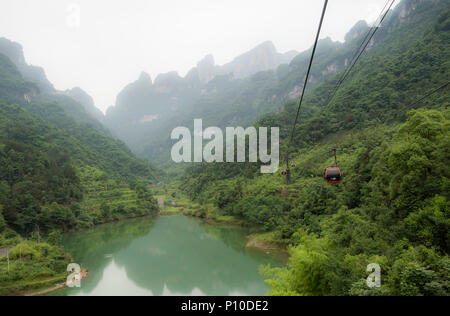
25 250
55 238
265 210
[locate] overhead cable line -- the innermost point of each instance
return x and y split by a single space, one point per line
288 175
429 94
372 33
359 51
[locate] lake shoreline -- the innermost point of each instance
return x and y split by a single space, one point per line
253 240
40 288
56 287
118 257
45 289
250 243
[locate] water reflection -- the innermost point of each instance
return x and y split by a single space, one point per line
166 256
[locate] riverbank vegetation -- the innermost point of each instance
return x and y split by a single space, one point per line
36 259
32 264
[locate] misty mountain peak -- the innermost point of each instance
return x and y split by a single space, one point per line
261 58
167 78
145 78
267 46
208 60
206 69
86 101
359 28
14 52
168 82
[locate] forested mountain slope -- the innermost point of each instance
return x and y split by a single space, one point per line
227 101
43 150
393 206
146 111
59 170
86 101
75 103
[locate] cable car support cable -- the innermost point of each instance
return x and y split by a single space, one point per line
288 176
364 44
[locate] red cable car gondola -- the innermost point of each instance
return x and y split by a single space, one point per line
333 175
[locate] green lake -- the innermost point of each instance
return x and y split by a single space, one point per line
171 255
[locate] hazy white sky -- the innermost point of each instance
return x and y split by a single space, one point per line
115 41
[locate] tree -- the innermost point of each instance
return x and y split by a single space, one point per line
310 269
2 220
430 226
419 271
55 237
105 210
56 216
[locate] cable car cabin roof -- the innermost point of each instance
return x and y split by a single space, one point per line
333 172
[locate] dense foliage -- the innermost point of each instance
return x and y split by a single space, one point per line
393 205
32 265
38 168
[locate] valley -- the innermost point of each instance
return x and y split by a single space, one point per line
104 190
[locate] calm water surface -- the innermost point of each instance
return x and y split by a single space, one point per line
167 256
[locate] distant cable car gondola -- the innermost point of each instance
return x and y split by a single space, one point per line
333 175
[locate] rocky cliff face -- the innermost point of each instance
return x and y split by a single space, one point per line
14 52
356 31
169 92
145 79
207 69
168 83
261 58
136 91
145 102
86 101
406 8
45 91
